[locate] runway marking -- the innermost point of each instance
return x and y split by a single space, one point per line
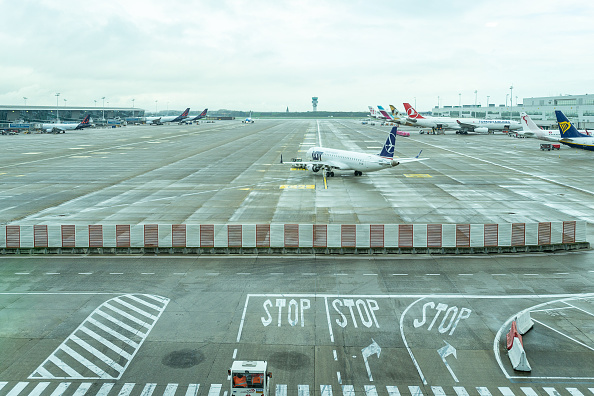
425 175
32 153
297 187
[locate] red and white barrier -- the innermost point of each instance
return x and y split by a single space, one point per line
294 236
524 322
515 350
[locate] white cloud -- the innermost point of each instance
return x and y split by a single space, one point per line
266 55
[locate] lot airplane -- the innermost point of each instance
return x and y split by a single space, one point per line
163 119
329 159
67 127
248 120
530 129
570 135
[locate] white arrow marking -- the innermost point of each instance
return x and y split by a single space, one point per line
368 351
445 352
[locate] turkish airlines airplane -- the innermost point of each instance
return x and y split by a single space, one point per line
161 120
329 159
430 122
67 127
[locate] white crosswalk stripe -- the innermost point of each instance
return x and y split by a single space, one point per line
105 343
24 388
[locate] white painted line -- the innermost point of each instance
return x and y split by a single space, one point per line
141 301
574 392
483 391
399 274
213 273
564 335
562 273
2 385
335 356
170 390
460 391
215 389
505 391
60 389
338 377
277 273
432 274
127 315
147 273
234 353
340 274
281 390
22 273
528 391
328 318
348 390
82 389
148 390
302 390
63 366
135 308
498 274
551 391
192 389
370 390
52 273
406 343
81 359
392 390
116 273
113 333
244 273
85 345
438 391
243 318
105 389
531 274
591 389
415 391
579 309
325 390
39 389
85 273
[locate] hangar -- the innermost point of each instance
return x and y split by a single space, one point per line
39 114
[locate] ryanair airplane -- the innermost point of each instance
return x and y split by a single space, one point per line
570 135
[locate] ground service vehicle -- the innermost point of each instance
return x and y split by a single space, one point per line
249 378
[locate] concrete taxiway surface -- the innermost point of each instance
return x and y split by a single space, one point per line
417 325
229 172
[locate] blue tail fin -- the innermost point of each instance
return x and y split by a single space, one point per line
566 128
388 149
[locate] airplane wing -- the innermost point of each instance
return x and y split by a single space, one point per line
465 124
413 159
315 165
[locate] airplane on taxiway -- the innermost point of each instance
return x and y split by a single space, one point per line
329 159
163 119
61 127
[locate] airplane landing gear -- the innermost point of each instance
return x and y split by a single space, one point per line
329 174
358 173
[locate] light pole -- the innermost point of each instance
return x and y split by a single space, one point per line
511 97
459 100
438 102
475 97
133 107
64 102
506 96
103 116
57 116
156 107
24 97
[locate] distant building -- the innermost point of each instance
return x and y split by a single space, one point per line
314 102
578 108
287 109
66 113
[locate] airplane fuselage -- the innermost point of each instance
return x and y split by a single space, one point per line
350 160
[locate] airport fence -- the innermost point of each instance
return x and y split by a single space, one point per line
293 238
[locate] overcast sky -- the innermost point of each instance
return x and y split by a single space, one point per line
265 55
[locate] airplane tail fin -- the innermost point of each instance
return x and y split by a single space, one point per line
411 112
566 128
527 124
186 112
203 114
385 113
394 110
388 149
84 123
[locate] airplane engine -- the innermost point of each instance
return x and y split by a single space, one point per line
314 168
481 130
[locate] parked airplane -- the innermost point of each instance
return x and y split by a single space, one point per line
479 125
375 113
393 117
329 159
570 135
61 127
198 117
530 129
163 119
435 123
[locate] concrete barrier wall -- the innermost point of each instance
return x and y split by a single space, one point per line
294 236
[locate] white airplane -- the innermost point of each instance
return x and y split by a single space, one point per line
61 127
435 123
329 159
198 117
163 119
570 135
248 120
530 129
374 113
394 116
486 126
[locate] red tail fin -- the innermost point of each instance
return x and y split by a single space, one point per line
411 112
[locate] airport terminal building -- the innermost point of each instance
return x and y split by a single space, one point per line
40 114
578 108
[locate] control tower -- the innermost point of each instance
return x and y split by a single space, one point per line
314 102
